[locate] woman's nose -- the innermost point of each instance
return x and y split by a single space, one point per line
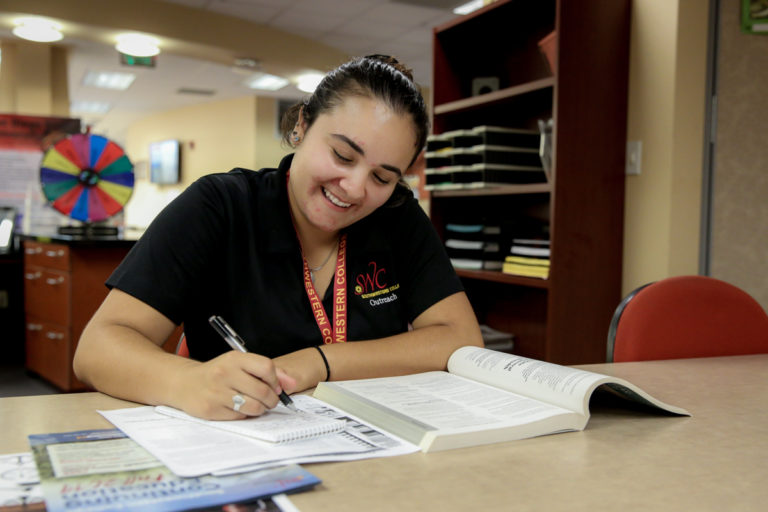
353 183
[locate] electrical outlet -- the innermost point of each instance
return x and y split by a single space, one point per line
634 156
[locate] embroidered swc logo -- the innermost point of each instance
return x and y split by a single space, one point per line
374 282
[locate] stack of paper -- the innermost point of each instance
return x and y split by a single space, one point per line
190 448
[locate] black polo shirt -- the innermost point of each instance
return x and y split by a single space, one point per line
227 246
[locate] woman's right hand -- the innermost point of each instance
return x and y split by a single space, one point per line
206 390
120 353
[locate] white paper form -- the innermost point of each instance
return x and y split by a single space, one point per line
193 449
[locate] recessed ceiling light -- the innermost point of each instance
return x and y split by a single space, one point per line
266 82
90 107
469 7
109 80
138 45
308 82
36 29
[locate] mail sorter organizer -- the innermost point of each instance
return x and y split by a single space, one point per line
484 135
482 156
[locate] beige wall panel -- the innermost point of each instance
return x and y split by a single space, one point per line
667 81
216 137
739 252
650 120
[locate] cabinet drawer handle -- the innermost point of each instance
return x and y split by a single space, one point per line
34 327
55 254
54 335
54 280
33 250
31 276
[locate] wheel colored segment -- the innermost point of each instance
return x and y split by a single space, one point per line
87 177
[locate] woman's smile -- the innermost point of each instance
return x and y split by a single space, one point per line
335 200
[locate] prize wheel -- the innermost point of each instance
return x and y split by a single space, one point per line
87 177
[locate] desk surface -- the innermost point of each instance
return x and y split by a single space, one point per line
625 460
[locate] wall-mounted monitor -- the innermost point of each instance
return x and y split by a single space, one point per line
165 162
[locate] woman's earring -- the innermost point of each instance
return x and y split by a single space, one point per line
296 137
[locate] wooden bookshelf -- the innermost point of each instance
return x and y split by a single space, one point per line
565 318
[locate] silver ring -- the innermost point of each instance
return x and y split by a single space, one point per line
238 400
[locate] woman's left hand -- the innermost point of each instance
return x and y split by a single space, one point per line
305 366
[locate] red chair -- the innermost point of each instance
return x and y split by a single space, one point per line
686 316
182 349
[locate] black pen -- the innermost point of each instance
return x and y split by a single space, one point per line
236 342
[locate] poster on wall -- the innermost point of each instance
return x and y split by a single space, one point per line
754 16
23 140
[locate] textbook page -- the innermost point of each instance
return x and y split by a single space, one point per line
566 387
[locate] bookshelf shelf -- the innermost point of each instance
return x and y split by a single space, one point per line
536 188
500 277
495 97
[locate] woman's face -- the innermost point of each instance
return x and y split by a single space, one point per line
348 163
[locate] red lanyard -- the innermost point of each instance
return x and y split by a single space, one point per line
336 333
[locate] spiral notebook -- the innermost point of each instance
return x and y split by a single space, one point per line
280 425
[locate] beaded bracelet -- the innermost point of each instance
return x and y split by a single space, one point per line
327 368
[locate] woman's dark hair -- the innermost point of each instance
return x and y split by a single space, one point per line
377 76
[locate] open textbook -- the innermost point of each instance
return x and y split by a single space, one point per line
485 397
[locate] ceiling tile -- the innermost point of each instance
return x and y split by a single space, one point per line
404 15
298 22
252 11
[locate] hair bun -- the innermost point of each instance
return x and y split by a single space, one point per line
392 61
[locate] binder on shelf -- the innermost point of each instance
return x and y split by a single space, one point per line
530 247
484 135
497 340
473 246
484 154
457 177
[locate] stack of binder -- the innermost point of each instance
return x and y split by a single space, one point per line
528 257
483 156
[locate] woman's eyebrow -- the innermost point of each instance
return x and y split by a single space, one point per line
360 150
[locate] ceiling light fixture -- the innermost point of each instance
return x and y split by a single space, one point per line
469 7
90 107
308 82
36 29
266 82
138 45
109 80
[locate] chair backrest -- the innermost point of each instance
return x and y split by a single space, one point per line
687 316
181 348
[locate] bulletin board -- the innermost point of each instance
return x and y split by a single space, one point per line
23 140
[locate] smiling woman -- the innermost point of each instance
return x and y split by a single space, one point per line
327 249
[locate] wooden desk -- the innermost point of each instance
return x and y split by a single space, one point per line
717 460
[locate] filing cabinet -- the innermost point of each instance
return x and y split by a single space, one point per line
63 287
